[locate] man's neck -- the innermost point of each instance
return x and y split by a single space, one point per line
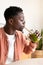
9 30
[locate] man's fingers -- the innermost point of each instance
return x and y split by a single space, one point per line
33 45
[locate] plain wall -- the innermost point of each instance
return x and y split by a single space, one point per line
41 14
33 11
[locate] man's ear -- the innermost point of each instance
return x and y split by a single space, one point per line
10 21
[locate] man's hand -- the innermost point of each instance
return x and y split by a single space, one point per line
32 47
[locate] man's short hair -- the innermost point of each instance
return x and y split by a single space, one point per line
11 11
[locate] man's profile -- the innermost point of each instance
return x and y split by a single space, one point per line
12 41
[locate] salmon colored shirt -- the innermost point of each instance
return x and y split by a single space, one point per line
19 46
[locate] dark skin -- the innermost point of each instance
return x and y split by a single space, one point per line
15 23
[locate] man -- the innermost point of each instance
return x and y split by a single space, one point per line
12 41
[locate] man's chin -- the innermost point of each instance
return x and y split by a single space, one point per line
21 29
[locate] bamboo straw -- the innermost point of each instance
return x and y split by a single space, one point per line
28 30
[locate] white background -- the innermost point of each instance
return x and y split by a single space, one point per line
33 11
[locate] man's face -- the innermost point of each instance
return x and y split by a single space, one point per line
18 21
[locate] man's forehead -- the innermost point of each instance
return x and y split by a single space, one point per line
19 15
